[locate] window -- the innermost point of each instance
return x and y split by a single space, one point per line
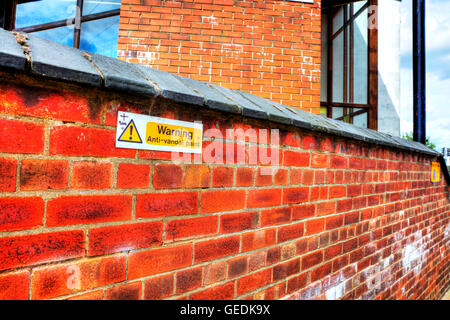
91 25
349 63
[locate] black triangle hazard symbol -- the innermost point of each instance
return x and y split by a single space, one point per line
130 134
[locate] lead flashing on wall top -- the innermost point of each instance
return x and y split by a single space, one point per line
56 61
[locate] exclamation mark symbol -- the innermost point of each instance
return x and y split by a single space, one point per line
131 132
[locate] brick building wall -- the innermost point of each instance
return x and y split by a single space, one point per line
270 48
80 219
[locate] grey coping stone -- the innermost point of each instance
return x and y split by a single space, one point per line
121 75
11 54
212 98
58 61
248 108
170 87
274 113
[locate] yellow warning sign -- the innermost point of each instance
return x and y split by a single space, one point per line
138 131
435 172
130 134
161 134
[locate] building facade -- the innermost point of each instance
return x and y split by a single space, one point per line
336 58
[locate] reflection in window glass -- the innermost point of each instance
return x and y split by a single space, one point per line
101 36
62 35
44 11
361 119
96 6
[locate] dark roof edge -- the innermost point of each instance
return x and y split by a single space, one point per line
36 56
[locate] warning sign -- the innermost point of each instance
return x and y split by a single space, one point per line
136 131
435 172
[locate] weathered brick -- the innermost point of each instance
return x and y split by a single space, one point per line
37 174
258 198
133 176
14 286
223 177
166 204
183 228
275 216
295 195
197 176
253 281
21 251
258 239
8 169
67 210
188 280
157 288
109 239
149 262
91 175
167 176
234 222
127 291
216 248
219 292
21 213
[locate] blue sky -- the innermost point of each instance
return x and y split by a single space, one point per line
438 70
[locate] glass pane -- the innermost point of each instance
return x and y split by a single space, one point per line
62 35
101 36
338 68
360 56
360 120
43 11
338 20
323 111
337 113
324 59
96 6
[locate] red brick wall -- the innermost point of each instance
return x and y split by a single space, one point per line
81 219
270 48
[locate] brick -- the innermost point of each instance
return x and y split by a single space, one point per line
167 176
295 195
36 174
319 160
153 261
68 210
264 177
334 222
166 204
214 272
21 213
8 169
223 177
21 137
91 175
93 295
157 288
295 159
281 177
258 239
337 192
234 222
312 259
286 269
314 226
127 291
303 211
62 279
326 208
219 292
253 281
21 251
258 198
237 266
197 176
216 248
221 200
310 142
133 176
188 280
80 141
110 239
245 177
256 261
338 162
297 282
14 286
290 232
183 228
321 272
275 216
